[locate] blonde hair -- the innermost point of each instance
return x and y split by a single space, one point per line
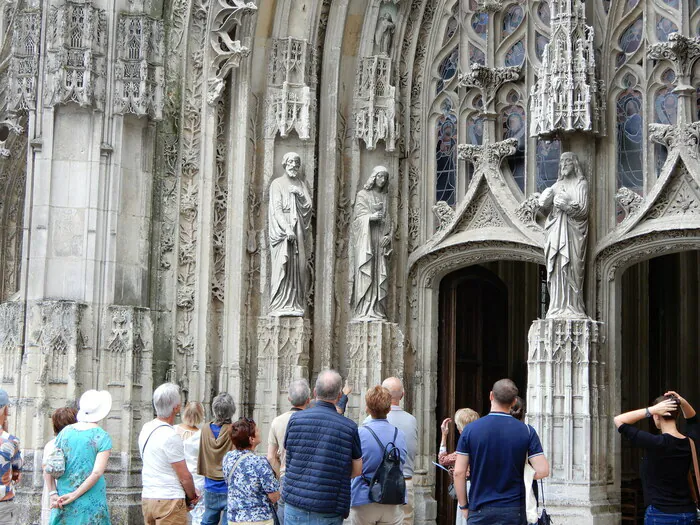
464 416
193 414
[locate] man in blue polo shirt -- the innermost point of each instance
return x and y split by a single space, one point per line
323 453
495 448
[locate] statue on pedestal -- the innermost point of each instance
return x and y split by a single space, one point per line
567 232
371 247
384 34
289 220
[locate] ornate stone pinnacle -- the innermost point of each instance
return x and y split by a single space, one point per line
681 51
489 155
685 136
488 80
567 97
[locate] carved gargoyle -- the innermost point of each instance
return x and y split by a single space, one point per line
628 200
444 213
527 211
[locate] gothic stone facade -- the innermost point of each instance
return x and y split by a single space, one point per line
139 141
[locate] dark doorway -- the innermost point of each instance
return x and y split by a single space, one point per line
660 336
485 314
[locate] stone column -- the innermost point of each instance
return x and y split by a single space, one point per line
283 356
374 352
566 405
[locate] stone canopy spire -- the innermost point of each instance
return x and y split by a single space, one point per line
567 97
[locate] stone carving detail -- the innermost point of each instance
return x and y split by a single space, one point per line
10 341
483 213
682 52
680 197
289 222
488 156
138 70
566 383
371 247
227 53
567 234
527 211
489 6
55 327
488 81
628 200
684 136
567 97
129 337
444 214
77 43
292 77
220 211
384 34
375 103
24 61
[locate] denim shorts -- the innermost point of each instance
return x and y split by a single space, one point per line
654 516
497 516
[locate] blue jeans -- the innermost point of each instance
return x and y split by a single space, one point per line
296 516
654 516
497 516
214 504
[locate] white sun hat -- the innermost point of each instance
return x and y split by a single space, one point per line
94 406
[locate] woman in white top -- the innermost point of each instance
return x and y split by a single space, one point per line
61 418
188 430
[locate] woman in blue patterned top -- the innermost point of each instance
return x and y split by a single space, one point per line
252 485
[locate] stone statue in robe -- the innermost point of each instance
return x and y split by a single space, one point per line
289 219
567 233
371 247
384 34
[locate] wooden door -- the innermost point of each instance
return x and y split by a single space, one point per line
473 354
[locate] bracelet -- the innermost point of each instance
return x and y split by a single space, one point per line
53 493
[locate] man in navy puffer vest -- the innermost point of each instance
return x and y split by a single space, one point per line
323 455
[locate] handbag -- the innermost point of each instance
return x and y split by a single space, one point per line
55 463
694 481
530 500
544 518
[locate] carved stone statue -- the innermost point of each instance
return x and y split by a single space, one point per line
371 247
289 218
567 232
384 34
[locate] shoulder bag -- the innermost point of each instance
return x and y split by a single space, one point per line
55 463
544 518
694 480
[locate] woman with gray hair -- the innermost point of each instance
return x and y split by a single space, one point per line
215 442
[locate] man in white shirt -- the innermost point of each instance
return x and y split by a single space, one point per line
168 487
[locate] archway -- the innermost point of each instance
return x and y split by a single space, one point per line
659 340
485 312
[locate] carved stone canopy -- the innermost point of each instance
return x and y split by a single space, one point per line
682 52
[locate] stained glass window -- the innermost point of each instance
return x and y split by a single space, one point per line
451 29
547 156
514 126
512 19
664 27
475 135
447 69
665 112
672 3
477 55
698 102
630 130
630 4
540 42
480 24
516 54
543 12
606 6
632 37
446 155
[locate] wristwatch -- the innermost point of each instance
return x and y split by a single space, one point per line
648 414
464 507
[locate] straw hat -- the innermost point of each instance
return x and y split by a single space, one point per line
94 406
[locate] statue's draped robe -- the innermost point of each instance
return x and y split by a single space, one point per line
565 249
369 258
288 258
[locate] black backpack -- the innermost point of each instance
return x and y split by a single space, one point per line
387 485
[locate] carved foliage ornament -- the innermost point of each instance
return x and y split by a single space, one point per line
77 40
488 80
682 52
138 70
375 103
686 137
227 52
488 155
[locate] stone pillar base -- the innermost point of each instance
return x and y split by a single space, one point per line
374 352
283 356
566 404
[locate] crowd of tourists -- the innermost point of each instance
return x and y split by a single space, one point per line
320 467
